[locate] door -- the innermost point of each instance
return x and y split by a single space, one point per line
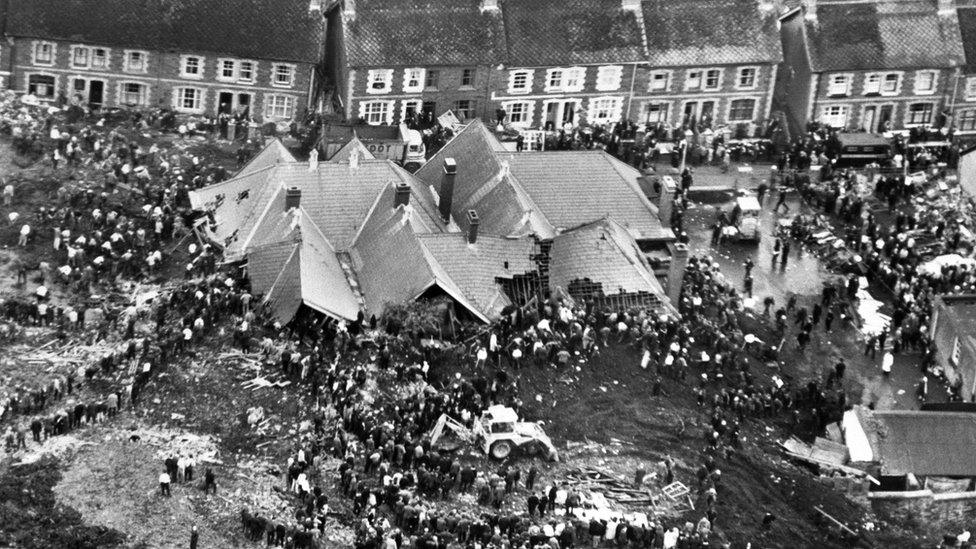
225 103
243 106
707 112
569 113
869 119
691 113
79 91
884 118
96 93
552 112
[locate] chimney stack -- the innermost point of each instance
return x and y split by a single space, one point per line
631 5
313 160
401 196
354 158
473 222
489 5
447 189
810 10
349 9
293 198
947 7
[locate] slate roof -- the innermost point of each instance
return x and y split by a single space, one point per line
967 29
540 193
603 252
354 144
901 34
275 274
569 32
391 33
273 153
251 29
711 32
238 206
922 443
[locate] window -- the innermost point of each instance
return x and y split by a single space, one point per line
608 78
232 70
413 80
890 84
713 79
41 85
693 80
919 113
925 82
604 110
742 110
872 83
136 61
746 79
100 58
656 113
839 84
967 120
133 94
410 111
284 76
835 116
228 69
191 67
377 80
245 72
376 112
971 88
660 81
279 107
80 57
554 80
573 79
519 81
467 78
464 109
188 100
431 79
44 53
519 112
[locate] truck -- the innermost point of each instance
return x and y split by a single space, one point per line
397 143
498 432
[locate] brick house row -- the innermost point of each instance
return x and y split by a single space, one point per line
552 63
876 67
200 57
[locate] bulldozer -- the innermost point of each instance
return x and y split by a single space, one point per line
499 433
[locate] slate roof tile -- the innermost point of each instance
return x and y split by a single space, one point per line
251 29
925 443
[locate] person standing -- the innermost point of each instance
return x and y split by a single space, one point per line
164 481
194 538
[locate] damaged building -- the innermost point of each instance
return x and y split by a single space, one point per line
483 227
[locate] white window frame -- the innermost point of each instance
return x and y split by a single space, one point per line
719 77
185 65
884 82
526 114
373 76
269 106
574 79
656 76
554 84
908 112
700 78
845 109
120 94
934 86
664 107
56 86
54 53
293 74
127 61
416 74
872 83
612 116
609 77
526 87
389 112
740 74
88 57
107 57
222 64
970 89
755 104
833 87
178 97
241 79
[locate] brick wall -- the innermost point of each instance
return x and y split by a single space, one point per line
922 507
905 95
162 77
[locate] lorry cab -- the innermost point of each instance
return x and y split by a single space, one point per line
416 153
747 223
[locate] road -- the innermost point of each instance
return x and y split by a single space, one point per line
804 276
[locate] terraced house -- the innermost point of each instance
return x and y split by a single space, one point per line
873 66
199 57
555 63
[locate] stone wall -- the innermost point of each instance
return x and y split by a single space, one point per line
922 507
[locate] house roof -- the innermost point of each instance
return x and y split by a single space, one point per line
568 32
888 34
252 29
275 274
273 153
540 193
391 33
922 443
711 32
605 253
354 144
967 30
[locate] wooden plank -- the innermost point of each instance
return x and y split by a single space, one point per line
835 521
